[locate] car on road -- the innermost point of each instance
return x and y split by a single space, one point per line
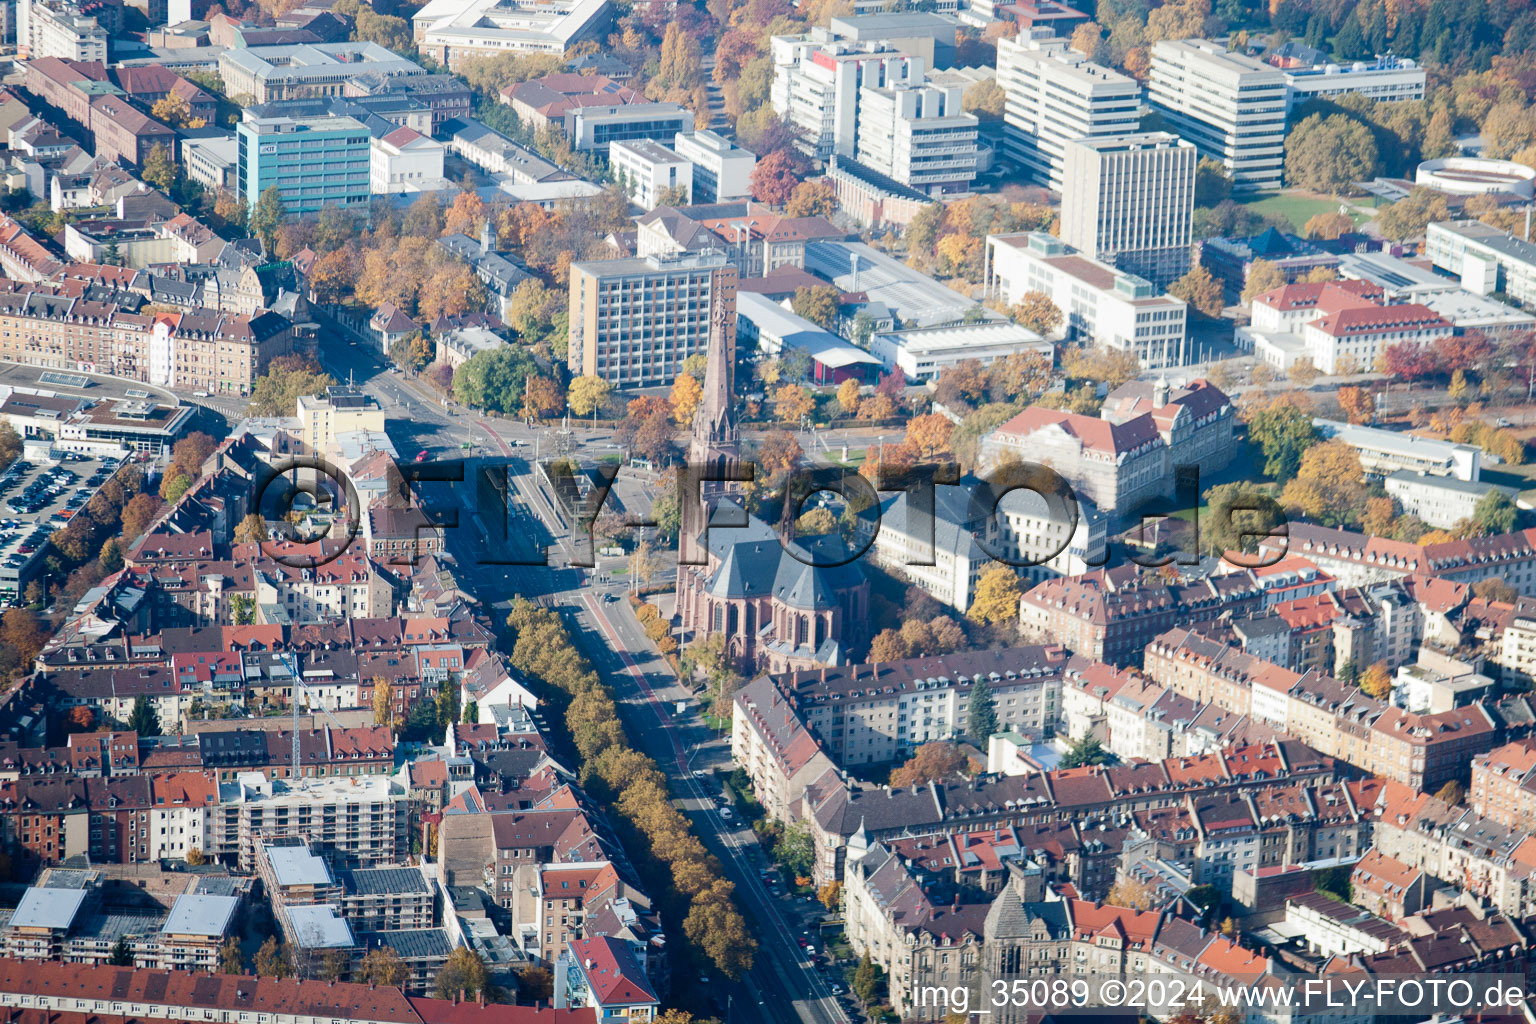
199 394
837 990
421 456
725 812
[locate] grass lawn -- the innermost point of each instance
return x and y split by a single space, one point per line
1298 208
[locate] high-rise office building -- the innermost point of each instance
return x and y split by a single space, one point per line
1230 106
634 321
1055 94
1128 200
313 161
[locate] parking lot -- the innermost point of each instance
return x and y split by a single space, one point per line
37 498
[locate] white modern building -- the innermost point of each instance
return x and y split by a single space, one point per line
1229 105
1440 501
452 31
816 83
1129 200
1387 79
403 160
1385 452
722 171
1486 259
647 170
213 162
61 30
1117 310
1040 540
1476 176
1055 94
917 134
923 353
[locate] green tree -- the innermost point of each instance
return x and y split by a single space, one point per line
144 719
1085 751
1495 514
494 379
267 216
982 722
447 704
1330 154
471 713
868 980
1283 433
796 848
121 955
1239 515
1212 183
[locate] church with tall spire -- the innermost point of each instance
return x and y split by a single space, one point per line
781 605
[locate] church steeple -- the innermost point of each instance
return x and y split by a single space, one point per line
714 422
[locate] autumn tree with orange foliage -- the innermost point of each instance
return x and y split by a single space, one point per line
933 762
1358 404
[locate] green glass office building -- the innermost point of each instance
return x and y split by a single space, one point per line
314 161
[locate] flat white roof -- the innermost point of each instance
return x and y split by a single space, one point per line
193 914
296 865
48 908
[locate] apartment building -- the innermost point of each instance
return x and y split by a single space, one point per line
341 409
722 171
48 325
1128 201
875 713
453 31
355 821
1113 308
1354 558
634 321
916 133
1128 454
62 29
650 172
313 162
1229 105
1054 95
817 82
1423 751
1110 615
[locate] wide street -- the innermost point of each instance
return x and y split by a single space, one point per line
607 630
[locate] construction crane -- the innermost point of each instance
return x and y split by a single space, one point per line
292 665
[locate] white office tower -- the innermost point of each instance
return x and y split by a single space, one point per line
1230 106
1128 200
1055 94
919 136
816 83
